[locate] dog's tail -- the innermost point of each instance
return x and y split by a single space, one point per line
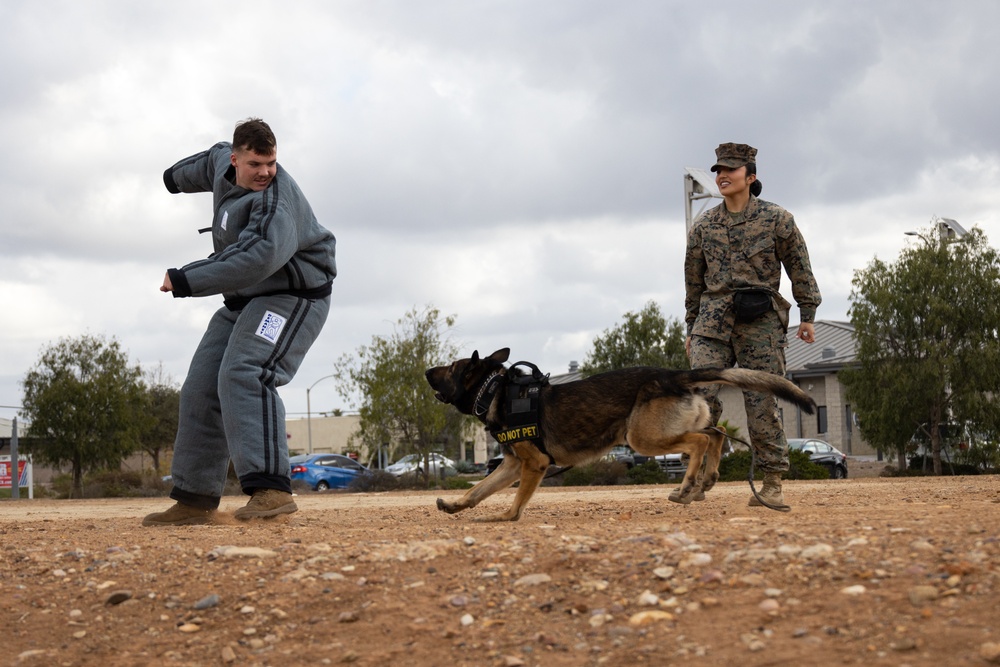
761 381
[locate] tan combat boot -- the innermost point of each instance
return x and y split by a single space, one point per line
180 515
770 491
266 503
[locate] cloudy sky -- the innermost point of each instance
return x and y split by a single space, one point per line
518 164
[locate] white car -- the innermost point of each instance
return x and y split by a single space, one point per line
415 463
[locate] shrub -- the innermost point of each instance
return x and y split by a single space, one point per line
457 484
735 467
598 473
921 465
647 473
464 467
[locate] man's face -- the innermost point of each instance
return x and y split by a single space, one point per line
253 170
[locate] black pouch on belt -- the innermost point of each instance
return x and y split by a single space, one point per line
750 304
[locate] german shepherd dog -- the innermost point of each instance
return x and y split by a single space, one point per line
655 410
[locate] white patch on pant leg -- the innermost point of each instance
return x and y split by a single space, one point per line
270 326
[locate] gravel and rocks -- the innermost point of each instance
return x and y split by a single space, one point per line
869 570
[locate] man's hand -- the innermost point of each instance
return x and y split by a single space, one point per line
166 286
806 333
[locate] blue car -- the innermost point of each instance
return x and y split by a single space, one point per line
326 471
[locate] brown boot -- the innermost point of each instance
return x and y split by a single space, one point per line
770 492
180 515
266 503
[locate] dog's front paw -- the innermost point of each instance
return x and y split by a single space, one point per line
446 507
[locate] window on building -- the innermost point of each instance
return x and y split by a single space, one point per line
821 419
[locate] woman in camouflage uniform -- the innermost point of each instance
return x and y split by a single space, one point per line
734 312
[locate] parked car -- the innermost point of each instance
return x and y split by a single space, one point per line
822 453
415 463
325 471
674 465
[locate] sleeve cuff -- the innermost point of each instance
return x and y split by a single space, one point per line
168 180
807 314
179 282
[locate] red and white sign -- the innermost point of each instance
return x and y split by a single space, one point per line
6 468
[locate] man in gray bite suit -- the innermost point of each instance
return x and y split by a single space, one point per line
274 265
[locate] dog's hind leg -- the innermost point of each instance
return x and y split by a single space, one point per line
710 471
505 475
694 444
533 466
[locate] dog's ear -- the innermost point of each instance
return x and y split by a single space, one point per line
500 355
475 356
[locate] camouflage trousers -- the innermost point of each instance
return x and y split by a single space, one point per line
759 346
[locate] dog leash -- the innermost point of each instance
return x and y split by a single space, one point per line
753 460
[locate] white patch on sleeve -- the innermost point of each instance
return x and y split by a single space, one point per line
270 326
225 220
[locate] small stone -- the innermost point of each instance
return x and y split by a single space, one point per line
80 634
697 559
990 652
228 654
348 617
189 627
208 602
469 541
769 605
817 551
648 599
240 552
854 591
467 620
512 661
118 597
533 580
247 609
649 617
664 572
920 594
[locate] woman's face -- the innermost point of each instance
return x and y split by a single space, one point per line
733 182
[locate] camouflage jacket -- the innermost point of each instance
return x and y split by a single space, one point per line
726 254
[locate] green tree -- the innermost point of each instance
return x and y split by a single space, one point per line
86 406
645 338
397 406
928 343
163 399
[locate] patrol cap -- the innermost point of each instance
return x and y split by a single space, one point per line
734 156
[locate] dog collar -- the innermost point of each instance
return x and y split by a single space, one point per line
486 394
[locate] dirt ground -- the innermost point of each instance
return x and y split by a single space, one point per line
875 571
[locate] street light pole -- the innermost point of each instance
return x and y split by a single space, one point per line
309 410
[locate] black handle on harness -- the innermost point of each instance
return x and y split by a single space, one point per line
536 375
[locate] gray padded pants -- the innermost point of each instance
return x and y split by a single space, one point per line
229 404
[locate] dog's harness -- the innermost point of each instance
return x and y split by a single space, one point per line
521 406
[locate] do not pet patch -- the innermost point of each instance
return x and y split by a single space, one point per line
270 326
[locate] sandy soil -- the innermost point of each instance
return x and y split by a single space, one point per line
874 571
